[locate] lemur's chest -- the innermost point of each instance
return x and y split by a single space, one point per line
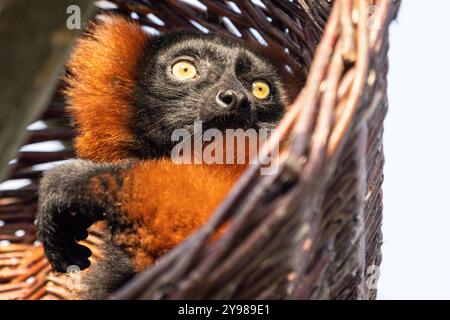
166 203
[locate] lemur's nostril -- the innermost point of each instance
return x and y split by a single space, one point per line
230 99
227 99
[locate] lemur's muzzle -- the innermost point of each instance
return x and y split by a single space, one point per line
229 106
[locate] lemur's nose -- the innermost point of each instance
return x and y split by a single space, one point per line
230 99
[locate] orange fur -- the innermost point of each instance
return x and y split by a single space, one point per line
101 81
168 202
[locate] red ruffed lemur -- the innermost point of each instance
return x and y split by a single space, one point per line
127 92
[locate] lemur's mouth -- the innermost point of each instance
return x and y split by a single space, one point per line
238 120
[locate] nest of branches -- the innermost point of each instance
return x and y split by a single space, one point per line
312 230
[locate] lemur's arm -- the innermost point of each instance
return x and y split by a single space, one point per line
150 206
71 198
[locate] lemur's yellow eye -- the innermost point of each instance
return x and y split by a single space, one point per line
184 70
260 90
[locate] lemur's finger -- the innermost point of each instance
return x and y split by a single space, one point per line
70 254
80 255
81 235
61 247
59 256
81 251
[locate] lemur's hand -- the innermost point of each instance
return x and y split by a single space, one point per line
67 208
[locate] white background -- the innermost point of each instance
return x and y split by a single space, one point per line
416 253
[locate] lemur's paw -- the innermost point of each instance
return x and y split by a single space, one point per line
64 215
60 237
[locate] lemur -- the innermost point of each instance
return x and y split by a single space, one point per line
127 92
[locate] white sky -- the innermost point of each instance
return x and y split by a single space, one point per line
416 262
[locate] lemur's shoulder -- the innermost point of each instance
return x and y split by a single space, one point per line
100 84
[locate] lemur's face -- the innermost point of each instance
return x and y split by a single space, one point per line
189 77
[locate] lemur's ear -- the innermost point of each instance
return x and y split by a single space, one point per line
101 79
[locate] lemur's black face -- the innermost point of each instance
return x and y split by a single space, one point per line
189 77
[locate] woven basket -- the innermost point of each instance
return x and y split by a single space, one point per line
312 231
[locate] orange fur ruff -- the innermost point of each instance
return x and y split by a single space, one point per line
101 81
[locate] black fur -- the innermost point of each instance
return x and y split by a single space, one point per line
67 208
163 103
107 275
